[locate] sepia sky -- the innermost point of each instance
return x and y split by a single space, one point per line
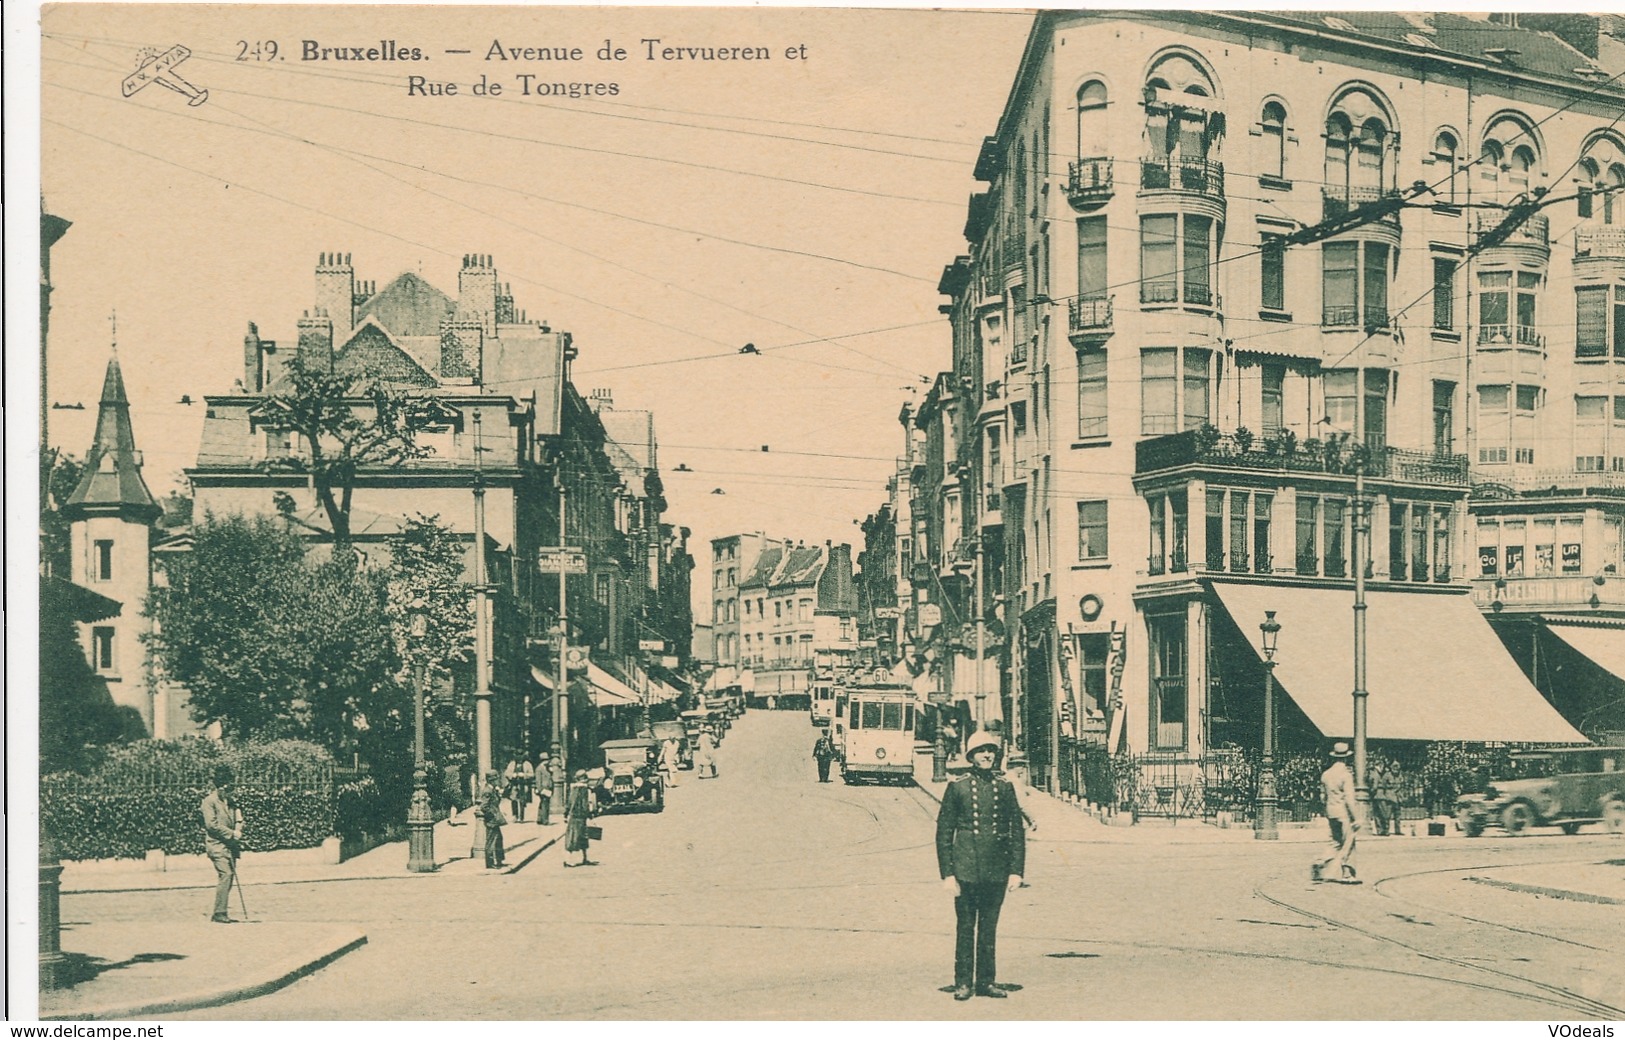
703 206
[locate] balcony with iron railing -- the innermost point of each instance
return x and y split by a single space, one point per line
1087 319
1089 182
1338 202
1533 233
1168 291
1555 483
1351 316
1198 176
1600 241
1508 335
1285 454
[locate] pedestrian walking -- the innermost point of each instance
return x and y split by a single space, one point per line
1385 797
981 854
491 813
950 737
1342 813
705 759
222 839
519 778
671 760
544 791
577 811
824 754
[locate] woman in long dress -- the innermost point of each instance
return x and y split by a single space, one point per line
577 810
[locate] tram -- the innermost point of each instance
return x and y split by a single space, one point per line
879 720
823 700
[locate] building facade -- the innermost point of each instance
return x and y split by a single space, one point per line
1185 376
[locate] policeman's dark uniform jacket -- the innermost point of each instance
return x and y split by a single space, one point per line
982 844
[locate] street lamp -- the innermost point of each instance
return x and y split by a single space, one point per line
1264 817
419 818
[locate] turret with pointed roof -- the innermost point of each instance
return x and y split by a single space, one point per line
112 483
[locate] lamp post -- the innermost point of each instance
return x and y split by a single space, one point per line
1264 817
419 818
1362 553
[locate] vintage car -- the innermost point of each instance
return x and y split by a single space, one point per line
1555 787
696 720
675 730
631 777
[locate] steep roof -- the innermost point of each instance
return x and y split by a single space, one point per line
408 306
767 562
372 351
112 481
1457 35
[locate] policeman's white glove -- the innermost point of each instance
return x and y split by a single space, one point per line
1014 883
951 883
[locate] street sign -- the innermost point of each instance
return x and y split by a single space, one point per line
930 615
575 658
888 612
551 559
939 697
652 644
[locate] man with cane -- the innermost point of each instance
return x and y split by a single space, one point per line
222 839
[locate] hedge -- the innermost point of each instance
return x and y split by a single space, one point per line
146 796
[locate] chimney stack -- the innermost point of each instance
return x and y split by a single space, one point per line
336 295
315 349
477 292
253 364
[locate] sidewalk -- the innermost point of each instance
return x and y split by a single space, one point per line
129 969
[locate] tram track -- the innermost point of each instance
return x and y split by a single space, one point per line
1556 995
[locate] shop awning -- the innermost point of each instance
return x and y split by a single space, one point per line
720 679
1604 646
746 681
1434 669
541 678
608 691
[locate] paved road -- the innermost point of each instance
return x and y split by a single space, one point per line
764 895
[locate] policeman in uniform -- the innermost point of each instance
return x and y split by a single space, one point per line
981 854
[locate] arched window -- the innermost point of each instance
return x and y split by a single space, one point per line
1587 177
1613 203
1092 120
1180 120
1489 170
1523 161
1370 151
1273 123
1338 133
1444 153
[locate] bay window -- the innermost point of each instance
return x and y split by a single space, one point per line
1599 320
1176 259
1175 389
1506 307
1355 284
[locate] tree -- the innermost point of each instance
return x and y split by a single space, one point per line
345 423
271 645
59 475
427 572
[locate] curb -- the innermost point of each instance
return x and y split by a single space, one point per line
279 976
1542 890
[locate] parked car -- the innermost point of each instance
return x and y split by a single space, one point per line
631 776
1561 787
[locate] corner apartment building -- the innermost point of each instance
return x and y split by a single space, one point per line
1163 393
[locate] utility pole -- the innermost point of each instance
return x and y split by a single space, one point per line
561 689
981 641
482 638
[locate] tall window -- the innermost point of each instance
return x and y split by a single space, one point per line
1175 254
1494 424
1342 404
1355 284
102 566
1159 270
1370 152
1444 153
1337 522
1338 133
1599 319
1489 170
1168 652
1092 530
1272 397
1215 529
1308 534
101 648
1272 274
1506 307
1092 277
1175 389
1273 123
1374 420
1590 434
1092 120
1444 293
1093 649
1092 394
1444 417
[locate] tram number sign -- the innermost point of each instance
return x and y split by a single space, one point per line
554 560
